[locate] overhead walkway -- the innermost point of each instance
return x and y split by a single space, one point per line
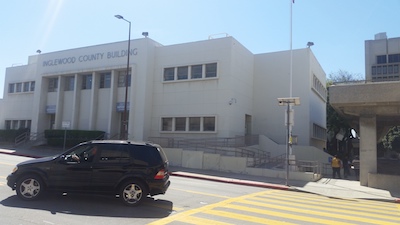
372 108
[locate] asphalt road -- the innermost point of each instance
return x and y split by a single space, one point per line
192 201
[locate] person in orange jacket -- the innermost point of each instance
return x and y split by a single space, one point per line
336 165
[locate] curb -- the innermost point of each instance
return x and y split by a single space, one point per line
20 154
232 181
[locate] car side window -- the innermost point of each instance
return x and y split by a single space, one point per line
82 153
113 153
146 156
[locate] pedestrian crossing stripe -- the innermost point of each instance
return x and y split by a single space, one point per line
367 205
343 213
182 215
283 215
330 206
273 206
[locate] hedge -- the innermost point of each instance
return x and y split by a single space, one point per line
73 137
10 135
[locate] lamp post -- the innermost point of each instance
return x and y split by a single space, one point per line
124 123
289 102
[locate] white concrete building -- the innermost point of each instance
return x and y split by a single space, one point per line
211 88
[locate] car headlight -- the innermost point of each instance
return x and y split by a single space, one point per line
15 169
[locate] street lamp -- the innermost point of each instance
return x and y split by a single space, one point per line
289 102
124 122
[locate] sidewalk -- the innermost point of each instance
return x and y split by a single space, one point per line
336 188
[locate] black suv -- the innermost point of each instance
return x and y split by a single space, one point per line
128 170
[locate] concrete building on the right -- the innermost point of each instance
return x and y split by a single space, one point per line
373 107
382 58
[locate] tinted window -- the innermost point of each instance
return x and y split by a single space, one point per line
113 153
146 156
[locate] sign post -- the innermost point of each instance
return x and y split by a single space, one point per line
66 125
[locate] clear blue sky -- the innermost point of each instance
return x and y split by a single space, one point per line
338 28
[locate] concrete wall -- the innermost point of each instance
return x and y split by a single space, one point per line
274 68
385 182
216 162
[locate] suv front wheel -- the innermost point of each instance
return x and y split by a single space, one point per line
30 187
133 192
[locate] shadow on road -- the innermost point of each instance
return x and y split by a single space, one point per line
76 204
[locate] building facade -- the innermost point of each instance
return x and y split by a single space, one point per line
382 58
205 89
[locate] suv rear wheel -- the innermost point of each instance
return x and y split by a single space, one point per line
133 192
29 187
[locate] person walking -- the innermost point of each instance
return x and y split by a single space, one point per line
346 167
336 165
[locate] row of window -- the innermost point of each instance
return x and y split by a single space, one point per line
319 132
190 72
87 80
188 124
17 124
383 59
319 87
385 69
21 87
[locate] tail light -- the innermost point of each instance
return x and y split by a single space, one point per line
160 175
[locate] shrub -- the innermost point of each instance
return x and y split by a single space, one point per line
72 137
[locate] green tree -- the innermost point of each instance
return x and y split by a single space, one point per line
335 122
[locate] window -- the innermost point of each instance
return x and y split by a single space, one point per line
32 85
87 81
379 69
396 69
180 124
69 83
374 70
53 84
394 58
197 72
183 72
146 156
26 86
200 71
22 124
122 78
189 124
169 74
384 69
381 59
112 153
209 124
390 69
14 125
194 124
319 132
105 80
18 87
211 70
166 124
8 124
11 88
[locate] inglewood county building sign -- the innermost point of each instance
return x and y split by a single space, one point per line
88 57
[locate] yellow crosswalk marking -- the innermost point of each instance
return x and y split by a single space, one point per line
311 212
367 205
247 218
332 208
202 209
285 215
277 206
